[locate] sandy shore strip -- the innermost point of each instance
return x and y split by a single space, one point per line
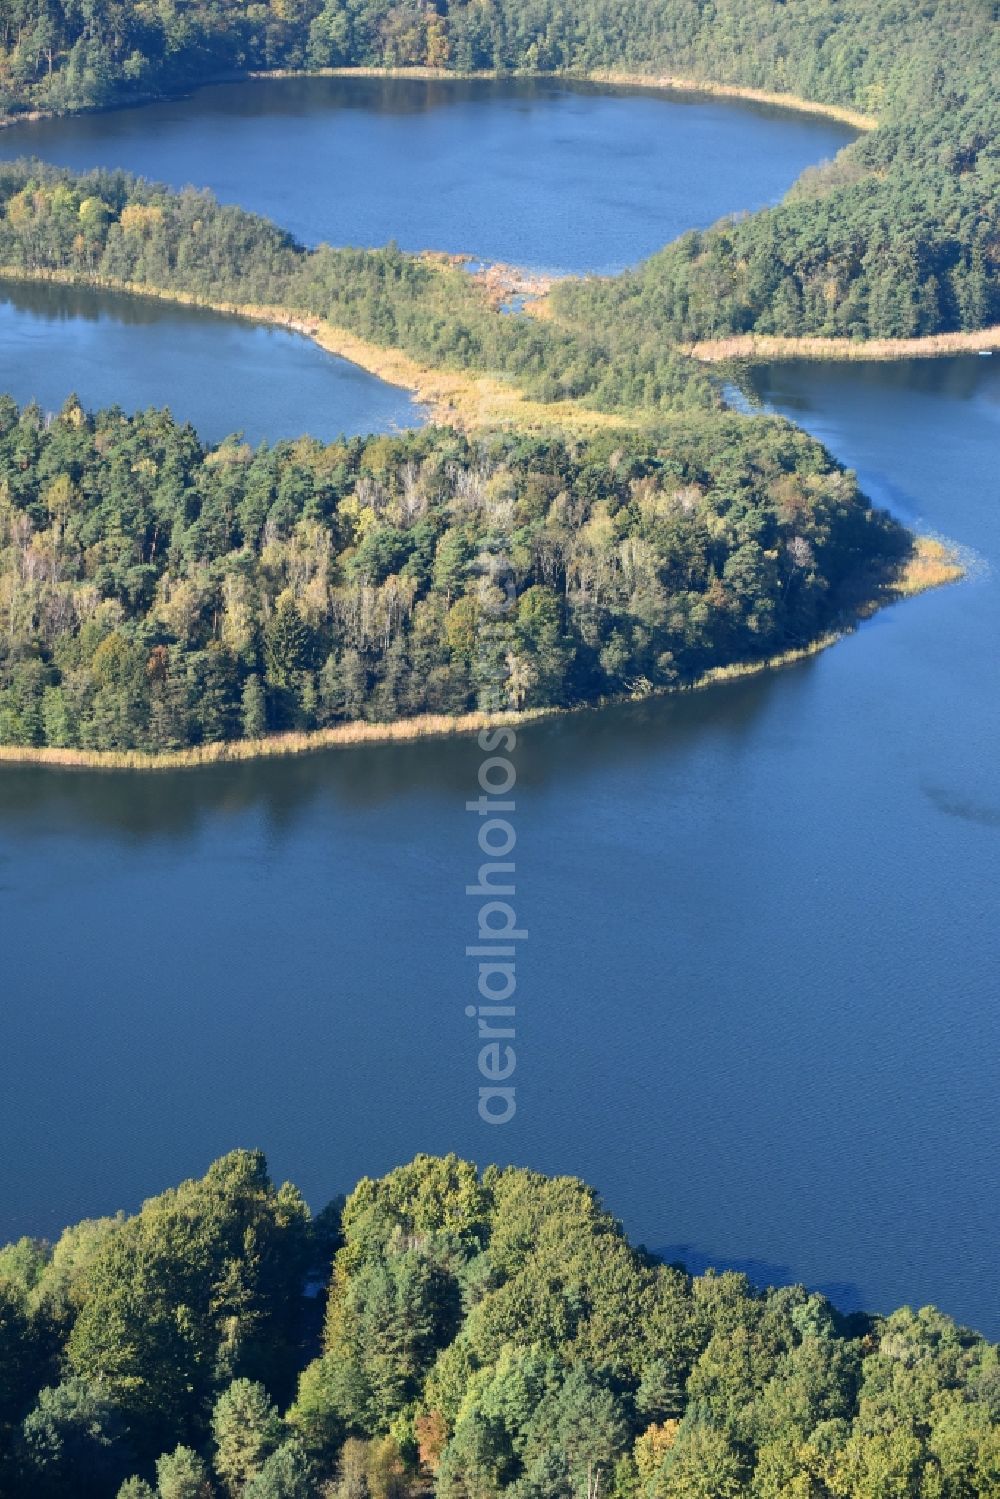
760 347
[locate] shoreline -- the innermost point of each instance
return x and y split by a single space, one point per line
31 117
453 398
764 347
608 77
932 565
468 401
671 83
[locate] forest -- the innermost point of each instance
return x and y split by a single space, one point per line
112 229
463 1333
61 55
156 594
898 237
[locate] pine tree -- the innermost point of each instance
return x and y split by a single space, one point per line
254 708
287 644
246 1428
182 1474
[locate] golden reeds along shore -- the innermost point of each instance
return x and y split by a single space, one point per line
608 77
932 564
339 736
451 398
765 347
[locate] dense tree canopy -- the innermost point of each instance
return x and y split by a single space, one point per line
485 1335
899 237
868 53
155 594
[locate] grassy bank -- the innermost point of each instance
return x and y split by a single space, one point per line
678 85
761 347
931 565
453 398
608 77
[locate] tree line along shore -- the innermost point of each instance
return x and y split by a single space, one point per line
466 1334
931 564
165 598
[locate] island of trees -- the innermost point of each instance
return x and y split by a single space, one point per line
463 1334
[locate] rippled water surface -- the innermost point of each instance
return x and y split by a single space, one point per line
221 374
538 173
759 990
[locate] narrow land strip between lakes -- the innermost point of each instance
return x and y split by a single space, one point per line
454 398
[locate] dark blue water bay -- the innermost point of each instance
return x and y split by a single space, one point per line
534 172
758 1001
538 173
222 374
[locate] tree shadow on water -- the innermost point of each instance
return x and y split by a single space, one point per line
845 1295
365 779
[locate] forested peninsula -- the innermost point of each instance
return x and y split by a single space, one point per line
160 597
898 237
471 1335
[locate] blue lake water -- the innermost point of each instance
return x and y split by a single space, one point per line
758 994
538 173
222 374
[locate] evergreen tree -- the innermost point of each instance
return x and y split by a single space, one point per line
254 708
181 1474
246 1429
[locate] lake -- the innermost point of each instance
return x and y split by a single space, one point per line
758 994
531 172
535 172
758 1003
222 374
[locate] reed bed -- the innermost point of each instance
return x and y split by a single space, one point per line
767 346
931 564
681 85
454 398
339 736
